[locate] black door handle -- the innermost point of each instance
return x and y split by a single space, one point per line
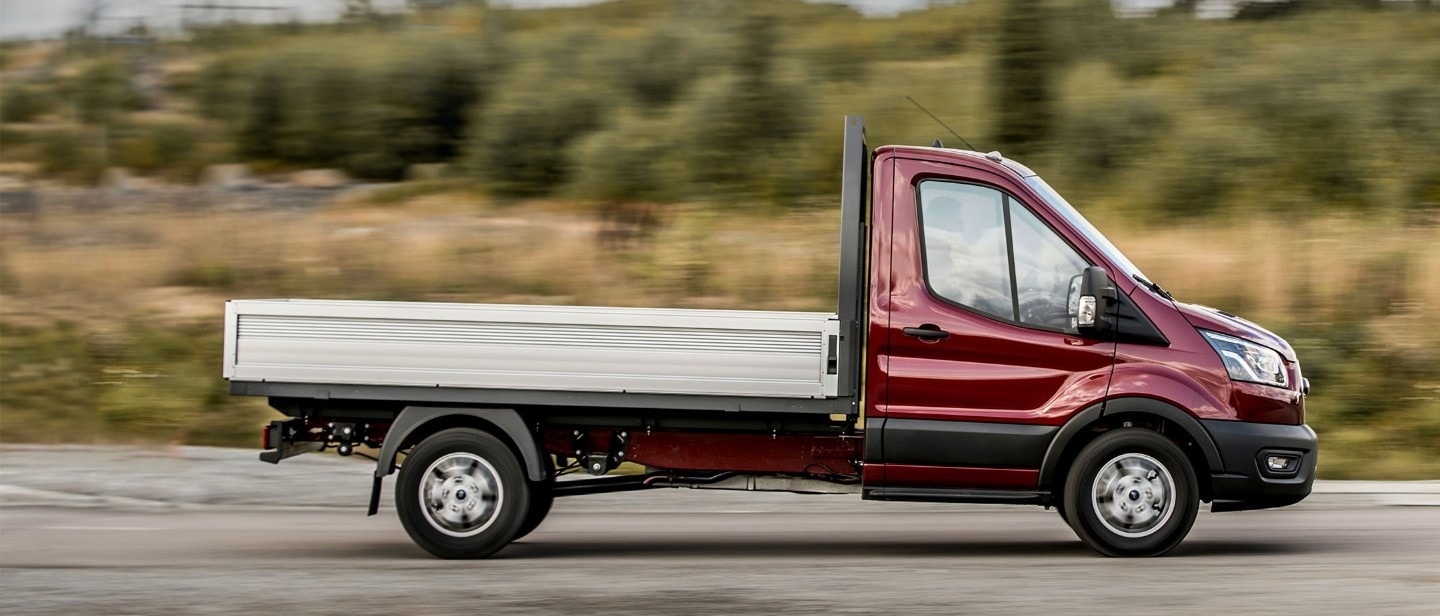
927 332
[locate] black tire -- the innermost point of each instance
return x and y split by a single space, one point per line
541 499
1131 492
476 494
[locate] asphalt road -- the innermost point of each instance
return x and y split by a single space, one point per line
812 555
197 530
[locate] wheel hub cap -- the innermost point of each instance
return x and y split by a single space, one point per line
1132 495
460 494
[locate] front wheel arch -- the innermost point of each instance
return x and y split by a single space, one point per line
1170 421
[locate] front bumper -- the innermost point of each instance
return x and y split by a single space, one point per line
1245 482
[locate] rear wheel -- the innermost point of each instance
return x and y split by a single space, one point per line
541 498
462 494
1131 492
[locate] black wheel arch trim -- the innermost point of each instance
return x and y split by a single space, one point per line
507 421
1087 417
1067 433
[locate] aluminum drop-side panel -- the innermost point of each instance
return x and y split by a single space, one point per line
641 350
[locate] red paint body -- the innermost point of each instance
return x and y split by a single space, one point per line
797 454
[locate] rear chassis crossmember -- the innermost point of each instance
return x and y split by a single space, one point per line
287 438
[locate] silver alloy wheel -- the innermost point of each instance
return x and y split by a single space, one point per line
460 494
1133 494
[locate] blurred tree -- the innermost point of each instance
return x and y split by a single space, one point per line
1022 79
518 139
428 98
22 103
658 69
325 106
329 116
1250 10
631 161
219 87
1184 7
156 147
1317 142
1268 9
358 10
102 89
1091 31
1106 135
258 134
519 145
75 155
741 124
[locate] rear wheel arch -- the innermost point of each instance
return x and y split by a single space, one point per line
416 423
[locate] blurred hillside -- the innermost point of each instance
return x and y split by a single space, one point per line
1284 165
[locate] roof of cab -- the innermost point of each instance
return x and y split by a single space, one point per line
992 159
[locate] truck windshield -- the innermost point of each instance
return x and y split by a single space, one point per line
1073 216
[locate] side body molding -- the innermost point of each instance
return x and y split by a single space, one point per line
507 421
1129 405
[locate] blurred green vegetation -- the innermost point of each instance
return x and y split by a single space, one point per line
1329 107
137 382
662 121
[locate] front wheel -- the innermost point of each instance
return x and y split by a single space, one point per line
462 494
1131 492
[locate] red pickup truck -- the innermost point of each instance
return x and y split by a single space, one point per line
989 346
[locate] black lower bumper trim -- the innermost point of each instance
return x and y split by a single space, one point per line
1245 483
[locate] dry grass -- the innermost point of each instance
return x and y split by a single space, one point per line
446 247
1270 270
460 248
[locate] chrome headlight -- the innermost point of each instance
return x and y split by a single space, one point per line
1247 361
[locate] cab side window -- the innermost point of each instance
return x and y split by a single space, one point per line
966 256
985 251
1044 268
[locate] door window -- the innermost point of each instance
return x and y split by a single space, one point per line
966 257
985 251
1045 267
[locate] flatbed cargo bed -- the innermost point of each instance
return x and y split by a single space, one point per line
379 345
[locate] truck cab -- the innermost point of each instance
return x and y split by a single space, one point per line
985 386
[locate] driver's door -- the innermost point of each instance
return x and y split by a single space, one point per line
983 359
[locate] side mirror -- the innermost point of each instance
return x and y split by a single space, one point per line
1091 297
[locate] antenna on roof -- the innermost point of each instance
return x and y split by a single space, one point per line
937 121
